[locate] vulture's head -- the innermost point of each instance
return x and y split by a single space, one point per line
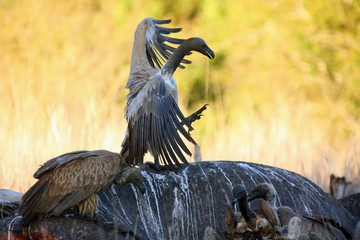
239 192
130 174
199 45
263 190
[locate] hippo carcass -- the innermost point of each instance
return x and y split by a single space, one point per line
180 205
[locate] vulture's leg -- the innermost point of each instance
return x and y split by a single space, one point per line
158 167
195 116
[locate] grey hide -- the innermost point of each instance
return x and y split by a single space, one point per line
183 204
180 205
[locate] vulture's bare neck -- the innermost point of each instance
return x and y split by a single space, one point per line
245 210
174 61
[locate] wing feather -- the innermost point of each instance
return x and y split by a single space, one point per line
70 183
182 129
152 57
168 30
65 158
157 51
175 142
168 140
161 21
170 39
178 139
156 126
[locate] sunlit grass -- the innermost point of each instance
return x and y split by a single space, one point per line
283 88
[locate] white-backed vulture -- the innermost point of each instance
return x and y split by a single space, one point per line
265 191
293 224
155 121
72 180
250 225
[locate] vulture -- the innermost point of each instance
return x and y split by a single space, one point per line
71 181
266 191
155 121
293 224
340 187
250 225
9 202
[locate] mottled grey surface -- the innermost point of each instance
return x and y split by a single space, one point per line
183 204
352 204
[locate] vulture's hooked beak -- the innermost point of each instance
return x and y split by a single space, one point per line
251 196
239 192
234 201
210 54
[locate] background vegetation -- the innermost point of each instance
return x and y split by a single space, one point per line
283 88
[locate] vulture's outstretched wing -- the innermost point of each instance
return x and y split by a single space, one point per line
155 122
156 125
157 51
69 183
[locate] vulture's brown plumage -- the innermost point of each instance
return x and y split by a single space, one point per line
265 191
291 225
155 121
72 180
250 225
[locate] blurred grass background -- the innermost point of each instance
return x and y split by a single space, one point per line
284 88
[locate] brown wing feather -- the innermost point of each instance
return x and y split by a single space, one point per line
269 213
65 158
70 183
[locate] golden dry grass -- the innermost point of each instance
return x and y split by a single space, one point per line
283 88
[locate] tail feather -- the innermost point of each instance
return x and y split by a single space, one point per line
125 151
30 207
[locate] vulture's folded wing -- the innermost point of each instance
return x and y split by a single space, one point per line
155 124
157 50
69 184
65 158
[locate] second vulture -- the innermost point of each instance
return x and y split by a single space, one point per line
155 121
72 181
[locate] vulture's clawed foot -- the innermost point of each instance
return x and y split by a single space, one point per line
159 168
196 115
155 166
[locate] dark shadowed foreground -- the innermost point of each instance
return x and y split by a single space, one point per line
181 205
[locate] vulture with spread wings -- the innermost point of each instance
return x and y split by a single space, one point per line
72 180
155 122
